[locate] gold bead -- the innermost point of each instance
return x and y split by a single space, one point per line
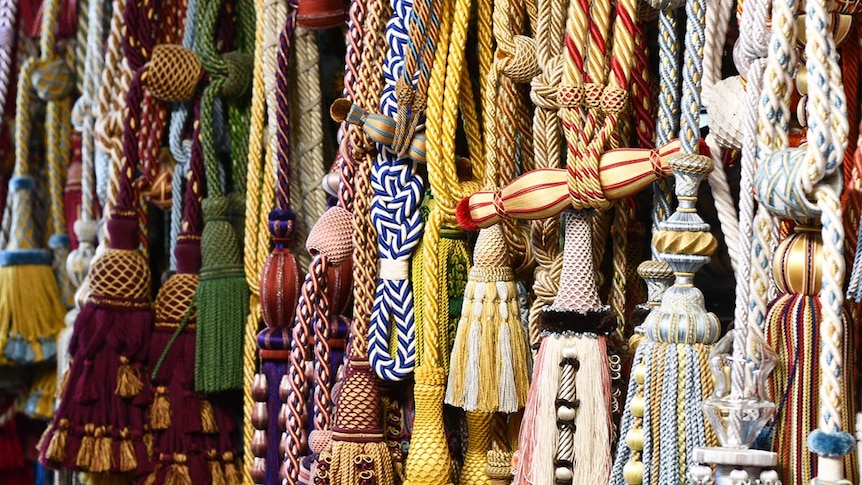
637 406
639 373
796 265
633 473
635 439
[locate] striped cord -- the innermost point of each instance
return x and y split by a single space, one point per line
398 191
8 15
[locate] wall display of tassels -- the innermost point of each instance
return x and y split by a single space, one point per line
430 242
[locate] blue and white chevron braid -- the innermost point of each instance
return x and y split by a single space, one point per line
398 191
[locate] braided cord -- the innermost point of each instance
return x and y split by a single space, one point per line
239 107
668 108
207 23
369 84
398 191
260 193
546 143
8 15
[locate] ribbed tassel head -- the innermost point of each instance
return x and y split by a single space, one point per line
428 460
222 303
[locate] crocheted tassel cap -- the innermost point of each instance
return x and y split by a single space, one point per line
103 400
359 452
489 362
223 302
31 310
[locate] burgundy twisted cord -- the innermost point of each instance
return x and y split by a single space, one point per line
195 182
8 9
320 324
352 137
131 130
139 41
282 116
296 437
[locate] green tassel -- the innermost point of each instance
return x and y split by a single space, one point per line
222 297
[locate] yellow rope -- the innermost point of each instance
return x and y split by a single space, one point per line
260 190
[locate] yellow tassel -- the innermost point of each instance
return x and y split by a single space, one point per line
102 455
41 394
457 370
129 382
216 472
148 443
208 422
231 472
87 448
128 461
178 474
64 382
151 478
354 463
56 451
160 410
30 307
490 321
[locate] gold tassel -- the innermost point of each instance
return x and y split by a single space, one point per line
178 474
128 461
208 422
30 305
148 443
216 472
64 382
231 472
366 462
85 453
44 389
56 451
102 455
160 410
151 478
129 382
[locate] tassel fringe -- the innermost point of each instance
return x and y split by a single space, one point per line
357 463
160 410
129 383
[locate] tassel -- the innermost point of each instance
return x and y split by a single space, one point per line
231 472
128 461
129 382
56 451
208 421
84 459
178 473
40 397
222 297
489 358
102 454
160 410
216 472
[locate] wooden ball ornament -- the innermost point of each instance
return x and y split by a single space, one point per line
796 264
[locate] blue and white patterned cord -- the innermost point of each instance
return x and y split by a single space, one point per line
398 191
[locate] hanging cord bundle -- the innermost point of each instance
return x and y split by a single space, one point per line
99 424
801 184
222 293
329 244
31 308
359 452
673 365
192 436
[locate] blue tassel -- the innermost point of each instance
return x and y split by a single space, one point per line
831 444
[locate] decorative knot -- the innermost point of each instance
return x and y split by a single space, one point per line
377 127
518 61
53 79
570 96
282 225
239 69
613 100
593 95
173 73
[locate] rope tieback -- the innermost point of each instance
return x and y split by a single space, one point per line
379 128
609 99
52 79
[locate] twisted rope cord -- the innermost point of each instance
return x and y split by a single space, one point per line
275 15
398 191
551 17
717 21
668 108
260 193
320 324
351 133
369 84
295 430
310 130
238 107
8 15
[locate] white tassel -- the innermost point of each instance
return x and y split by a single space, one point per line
471 376
508 397
592 434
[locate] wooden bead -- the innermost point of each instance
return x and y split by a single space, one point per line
633 473
563 474
796 264
637 406
635 439
565 413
